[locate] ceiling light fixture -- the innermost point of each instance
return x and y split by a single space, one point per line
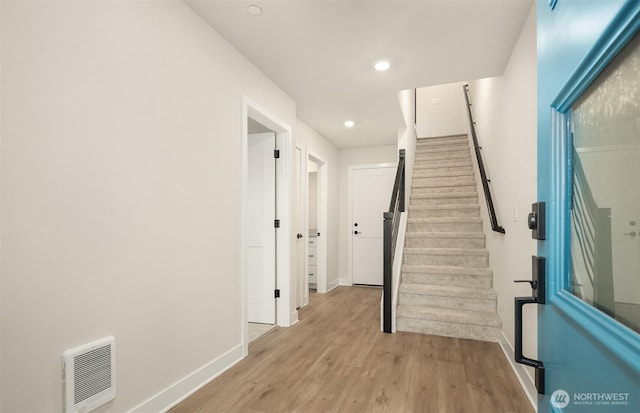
349 123
382 65
254 10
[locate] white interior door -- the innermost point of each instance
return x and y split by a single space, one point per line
261 243
370 196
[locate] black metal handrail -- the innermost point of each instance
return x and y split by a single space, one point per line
483 174
390 231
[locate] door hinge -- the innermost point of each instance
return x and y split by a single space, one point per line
276 293
276 223
276 153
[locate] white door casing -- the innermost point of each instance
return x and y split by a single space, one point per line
286 314
301 277
322 224
261 246
371 189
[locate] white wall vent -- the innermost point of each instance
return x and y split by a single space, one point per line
88 375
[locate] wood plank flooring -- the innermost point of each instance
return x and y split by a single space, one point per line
337 360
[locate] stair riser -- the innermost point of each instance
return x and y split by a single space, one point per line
443 189
429 169
457 151
443 163
445 227
423 242
450 146
440 181
457 303
444 213
444 201
435 173
439 156
470 331
470 281
442 142
449 260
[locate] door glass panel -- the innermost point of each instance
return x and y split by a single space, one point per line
605 239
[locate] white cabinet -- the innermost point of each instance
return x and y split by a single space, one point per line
312 258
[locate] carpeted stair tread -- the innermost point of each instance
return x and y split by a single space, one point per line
447 251
480 318
446 290
446 207
452 220
448 269
471 277
436 173
449 195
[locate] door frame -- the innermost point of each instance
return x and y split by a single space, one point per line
564 313
284 316
321 207
602 328
300 205
351 170
322 211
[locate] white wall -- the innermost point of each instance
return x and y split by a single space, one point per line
407 138
121 165
322 148
441 111
350 157
505 112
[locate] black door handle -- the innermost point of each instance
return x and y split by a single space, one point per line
356 232
299 236
537 364
538 297
519 303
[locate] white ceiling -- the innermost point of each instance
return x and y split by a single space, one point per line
322 53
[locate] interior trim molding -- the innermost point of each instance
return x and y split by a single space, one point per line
185 387
525 381
333 284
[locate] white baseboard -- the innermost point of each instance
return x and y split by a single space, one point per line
525 381
293 318
185 387
345 281
333 284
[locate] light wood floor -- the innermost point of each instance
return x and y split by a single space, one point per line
337 360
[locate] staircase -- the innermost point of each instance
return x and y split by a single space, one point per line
446 283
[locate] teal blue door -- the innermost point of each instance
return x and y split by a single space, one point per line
589 179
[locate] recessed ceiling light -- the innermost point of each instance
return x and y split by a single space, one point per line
349 123
382 65
254 10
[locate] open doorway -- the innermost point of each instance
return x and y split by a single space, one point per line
312 223
317 223
261 206
265 269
